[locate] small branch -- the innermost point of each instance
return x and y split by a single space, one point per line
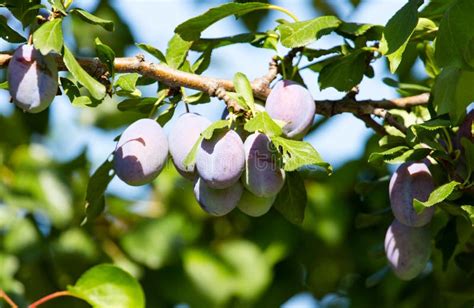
221 94
371 123
175 79
7 299
50 297
390 119
263 83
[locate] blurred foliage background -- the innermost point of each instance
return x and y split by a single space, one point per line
179 253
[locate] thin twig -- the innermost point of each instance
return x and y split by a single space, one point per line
50 297
390 119
7 299
371 123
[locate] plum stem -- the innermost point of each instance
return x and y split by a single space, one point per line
50 297
185 96
7 299
160 98
283 10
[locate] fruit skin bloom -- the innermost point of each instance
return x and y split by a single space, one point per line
408 249
32 78
221 160
141 152
411 181
217 202
292 103
182 137
261 176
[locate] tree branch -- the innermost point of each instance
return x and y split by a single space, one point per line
176 78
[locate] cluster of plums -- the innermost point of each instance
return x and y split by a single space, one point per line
32 79
227 172
408 239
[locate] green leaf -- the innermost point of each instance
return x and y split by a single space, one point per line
8 34
454 36
292 198
208 132
58 5
212 43
126 85
387 153
354 29
166 115
437 196
197 98
93 20
244 89
468 147
177 51
155 52
409 155
98 182
302 33
96 89
453 92
446 240
70 88
106 55
191 29
398 31
83 101
264 123
139 104
427 55
24 10
49 37
4 85
297 154
345 73
469 209
203 62
191 157
153 242
106 285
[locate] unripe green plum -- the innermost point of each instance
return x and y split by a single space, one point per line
261 176
292 103
141 152
181 139
411 181
255 206
408 249
217 202
32 79
221 159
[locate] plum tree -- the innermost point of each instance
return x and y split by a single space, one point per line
408 249
217 202
261 176
221 159
141 152
292 103
181 139
32 78
253 205
411 181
